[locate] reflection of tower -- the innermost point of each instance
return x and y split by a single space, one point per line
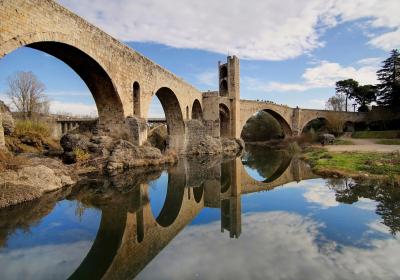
229 91
231 206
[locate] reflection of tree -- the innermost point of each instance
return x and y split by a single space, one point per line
265 160
387 196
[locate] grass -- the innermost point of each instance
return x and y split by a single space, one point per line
386 134
388 142
385 165
342 142
24 127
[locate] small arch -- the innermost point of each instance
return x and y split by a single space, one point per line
187 112
136 98
197 112
223 88
349 126
223 72
224 121
319 124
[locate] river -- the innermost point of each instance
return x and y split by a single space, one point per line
262 216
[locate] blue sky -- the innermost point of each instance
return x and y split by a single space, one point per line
292 52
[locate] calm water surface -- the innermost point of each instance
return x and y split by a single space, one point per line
263 216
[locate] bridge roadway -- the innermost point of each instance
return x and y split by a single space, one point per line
123 82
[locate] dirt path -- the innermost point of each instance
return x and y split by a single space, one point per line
363 145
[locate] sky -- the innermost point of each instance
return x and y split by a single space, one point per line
292 51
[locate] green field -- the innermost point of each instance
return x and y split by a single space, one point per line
386 134
388 142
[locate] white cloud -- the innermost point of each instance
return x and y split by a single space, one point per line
251 29
273 245
43 262
323 75
321 195
208 78
74 108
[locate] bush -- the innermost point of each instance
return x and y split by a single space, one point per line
23 127
81 155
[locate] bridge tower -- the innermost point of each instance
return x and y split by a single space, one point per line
229 92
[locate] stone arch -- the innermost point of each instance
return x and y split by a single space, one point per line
187 112
224 121
223 72
173 116
72 53
197 112
306 124
287 130
198 193
136 98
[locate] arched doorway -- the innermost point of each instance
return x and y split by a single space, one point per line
197 112
136 98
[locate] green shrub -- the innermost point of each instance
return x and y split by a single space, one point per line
23 127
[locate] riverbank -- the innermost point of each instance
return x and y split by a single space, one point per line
356 164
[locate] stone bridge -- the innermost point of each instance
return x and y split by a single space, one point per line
123 82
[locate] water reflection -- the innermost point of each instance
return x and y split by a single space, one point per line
165 224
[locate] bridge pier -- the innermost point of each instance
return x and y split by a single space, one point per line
2 139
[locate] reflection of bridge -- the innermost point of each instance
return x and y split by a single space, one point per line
123 82
129 236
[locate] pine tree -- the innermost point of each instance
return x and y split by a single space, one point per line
389 82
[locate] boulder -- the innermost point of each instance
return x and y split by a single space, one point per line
69 142
232 146
126 155
205 145
326 138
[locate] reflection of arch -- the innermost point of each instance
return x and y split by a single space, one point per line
225 176
282 168
173 200
136 98
92 73
224 121
197 112
198 193
105 246
173 115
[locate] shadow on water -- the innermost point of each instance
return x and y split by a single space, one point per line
130 235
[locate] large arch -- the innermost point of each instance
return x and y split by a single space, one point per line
100 84
197 112
224 121
323 122
173 116
287 130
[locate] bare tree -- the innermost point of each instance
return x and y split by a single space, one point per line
26 93
337 103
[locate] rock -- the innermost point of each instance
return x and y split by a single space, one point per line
232 146
70 142
206 145
31 140
8 124
68 157
30 182
127 155
326 138
8 121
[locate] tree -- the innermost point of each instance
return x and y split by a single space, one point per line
27 94
389 82
364 95
347 88
336 103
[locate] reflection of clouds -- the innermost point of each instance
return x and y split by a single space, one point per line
366 204
320 194
43 262
378 226
273 245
